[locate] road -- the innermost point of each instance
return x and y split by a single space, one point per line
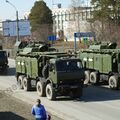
97 103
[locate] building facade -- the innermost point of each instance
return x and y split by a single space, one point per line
71 20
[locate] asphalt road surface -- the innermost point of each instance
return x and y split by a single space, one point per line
97 103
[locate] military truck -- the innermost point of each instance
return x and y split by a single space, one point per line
3 59
51 73
102 63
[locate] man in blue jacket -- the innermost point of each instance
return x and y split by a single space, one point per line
39 111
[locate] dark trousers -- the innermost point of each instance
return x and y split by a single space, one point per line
40 119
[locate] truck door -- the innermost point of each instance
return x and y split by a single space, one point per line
52 73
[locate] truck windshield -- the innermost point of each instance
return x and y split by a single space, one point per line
68 65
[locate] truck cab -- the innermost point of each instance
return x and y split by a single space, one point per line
66 77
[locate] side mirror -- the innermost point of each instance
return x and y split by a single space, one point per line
8 54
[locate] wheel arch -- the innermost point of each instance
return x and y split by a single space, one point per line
19 74
48 81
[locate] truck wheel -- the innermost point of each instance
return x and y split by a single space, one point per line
80 92
40 89
93 77
20 81
45 71
5 69
26 84
87 77
50 92
113 82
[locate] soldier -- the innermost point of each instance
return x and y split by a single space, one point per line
39 111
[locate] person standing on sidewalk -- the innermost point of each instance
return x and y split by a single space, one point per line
38 111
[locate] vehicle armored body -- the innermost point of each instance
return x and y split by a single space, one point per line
102 63
51 73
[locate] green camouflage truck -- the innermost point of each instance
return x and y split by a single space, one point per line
51 73
101 63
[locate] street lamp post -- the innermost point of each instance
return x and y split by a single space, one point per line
17 21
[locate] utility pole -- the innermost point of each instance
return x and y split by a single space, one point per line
17 20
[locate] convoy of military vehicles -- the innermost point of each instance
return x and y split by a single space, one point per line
53 73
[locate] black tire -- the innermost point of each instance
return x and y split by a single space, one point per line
4 69
26 84
76 93
80 92
20 81
45 71
94 79
113 82
50 92
40 89
87 77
